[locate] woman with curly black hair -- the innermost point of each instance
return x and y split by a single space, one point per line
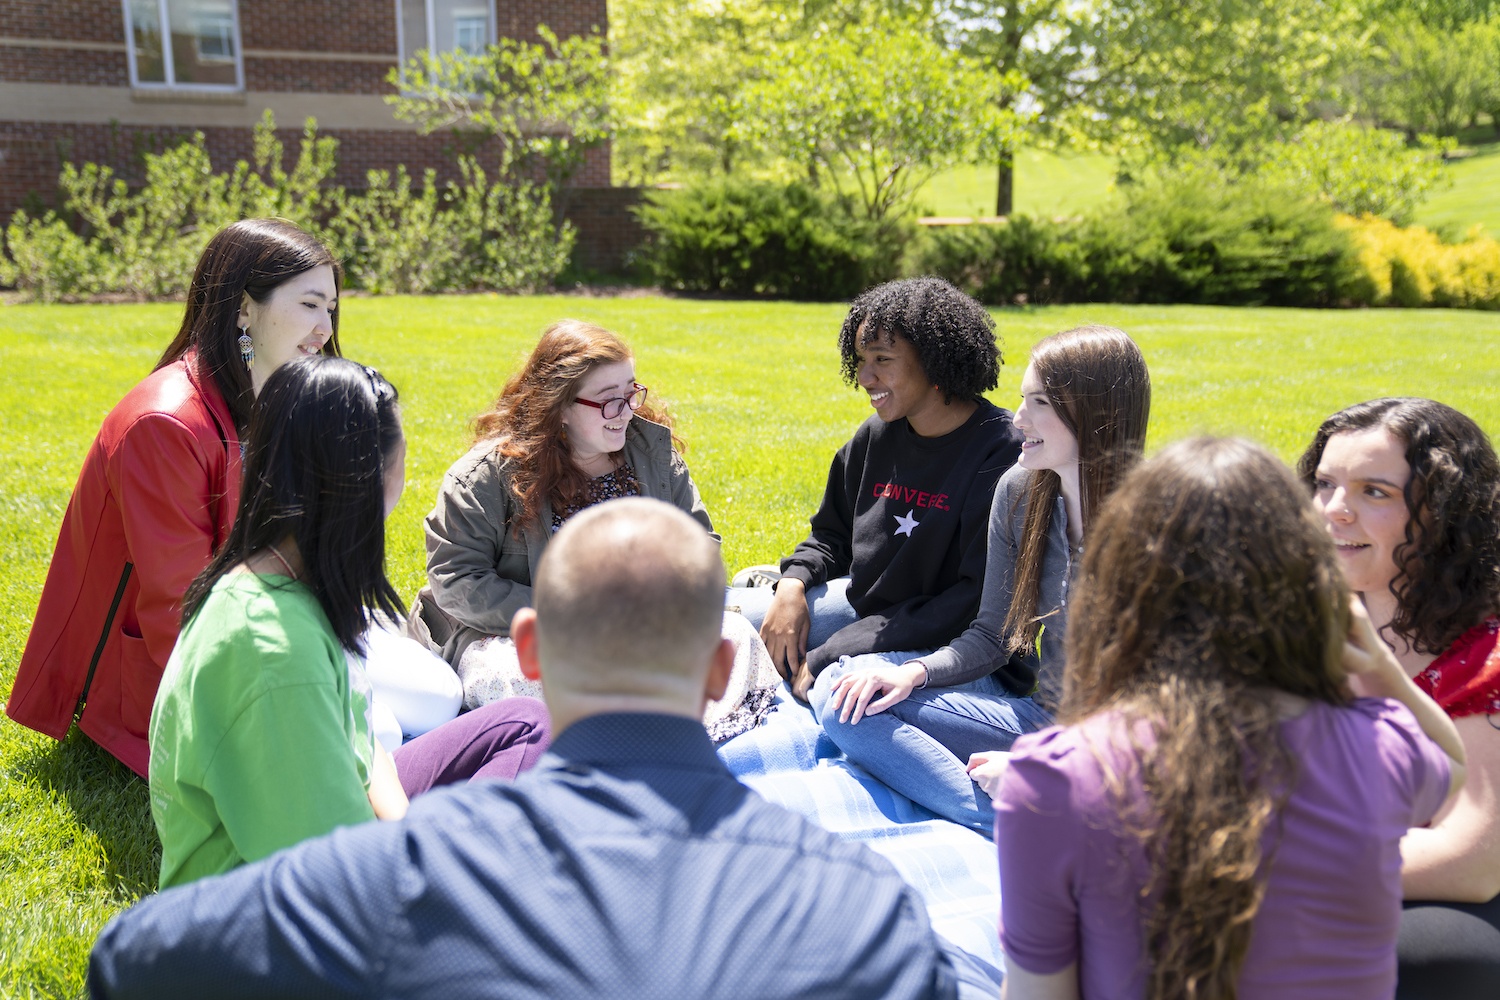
913 718
1410 489
906 509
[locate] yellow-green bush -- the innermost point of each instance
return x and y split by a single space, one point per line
1413 267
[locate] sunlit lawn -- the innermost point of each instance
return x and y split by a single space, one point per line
1046 184
756 391
1052 184
1474 198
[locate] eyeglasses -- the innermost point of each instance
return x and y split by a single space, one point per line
609 409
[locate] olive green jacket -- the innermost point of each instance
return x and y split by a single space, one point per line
479 569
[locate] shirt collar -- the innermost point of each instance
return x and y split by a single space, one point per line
638 738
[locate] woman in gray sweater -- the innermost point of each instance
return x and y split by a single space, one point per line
571 429
915 718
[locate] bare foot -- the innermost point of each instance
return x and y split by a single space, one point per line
802 682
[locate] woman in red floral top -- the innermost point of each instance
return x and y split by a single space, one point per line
1411 492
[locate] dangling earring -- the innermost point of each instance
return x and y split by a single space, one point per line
247 349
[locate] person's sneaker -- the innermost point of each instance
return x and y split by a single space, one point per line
756 576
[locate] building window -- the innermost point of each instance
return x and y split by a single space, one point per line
444 26
199 48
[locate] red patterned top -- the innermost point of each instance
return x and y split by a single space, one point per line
1465 680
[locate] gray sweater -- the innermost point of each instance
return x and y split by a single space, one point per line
480 568
981 649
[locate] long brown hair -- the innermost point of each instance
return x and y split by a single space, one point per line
1450 562
1096 380
1210 581
526 421
250 257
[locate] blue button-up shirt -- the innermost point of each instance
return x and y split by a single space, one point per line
627 863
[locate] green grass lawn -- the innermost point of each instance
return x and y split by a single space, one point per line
1046 184
1473 199
1050 184
756 391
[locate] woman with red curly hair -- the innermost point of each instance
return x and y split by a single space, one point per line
1410 490
571 429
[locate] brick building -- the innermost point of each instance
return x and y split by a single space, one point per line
100 80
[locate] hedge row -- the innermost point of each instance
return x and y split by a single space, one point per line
1179 241
396 236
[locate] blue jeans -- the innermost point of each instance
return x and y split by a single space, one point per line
827 603
921 746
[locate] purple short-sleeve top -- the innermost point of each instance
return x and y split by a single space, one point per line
1070 875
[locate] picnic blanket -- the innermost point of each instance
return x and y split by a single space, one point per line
789 761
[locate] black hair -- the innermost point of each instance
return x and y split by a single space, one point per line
250 257
1449 579
320 433
954 335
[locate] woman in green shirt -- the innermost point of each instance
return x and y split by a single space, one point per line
261 735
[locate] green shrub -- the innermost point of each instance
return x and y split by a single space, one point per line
1180 240
760 237
1413 267
145 242
1360 170
1191 240
457 236
1023 260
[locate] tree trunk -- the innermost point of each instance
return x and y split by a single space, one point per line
1005 188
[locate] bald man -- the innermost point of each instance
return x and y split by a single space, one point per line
627 863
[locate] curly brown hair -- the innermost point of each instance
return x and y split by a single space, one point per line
1450 561
1097 381
953 334
526 422
1211 582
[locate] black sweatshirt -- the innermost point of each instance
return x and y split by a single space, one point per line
906 517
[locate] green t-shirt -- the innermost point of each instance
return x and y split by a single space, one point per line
261 734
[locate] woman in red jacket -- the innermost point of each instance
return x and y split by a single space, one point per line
160 485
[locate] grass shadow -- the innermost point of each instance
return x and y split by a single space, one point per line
111 801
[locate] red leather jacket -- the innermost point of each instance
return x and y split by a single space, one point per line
156 497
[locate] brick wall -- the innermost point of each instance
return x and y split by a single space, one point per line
32 154
607 229
319 25
519 18
72 20
321 76
27 65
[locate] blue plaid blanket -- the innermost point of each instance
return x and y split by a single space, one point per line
789 761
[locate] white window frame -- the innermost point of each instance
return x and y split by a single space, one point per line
168 68
428 7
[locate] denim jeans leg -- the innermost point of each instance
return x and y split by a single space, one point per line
827 604
921 746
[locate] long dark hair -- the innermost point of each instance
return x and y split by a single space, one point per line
954 335
254 257
320 434
1449 565
1210 580
1097 382
526 420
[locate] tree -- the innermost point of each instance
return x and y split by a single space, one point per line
547 101
1035 50
880 107
679 67
1428 79
1358 170
1155 76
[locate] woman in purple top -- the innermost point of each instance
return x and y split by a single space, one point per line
1217 816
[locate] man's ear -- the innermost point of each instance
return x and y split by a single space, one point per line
523 634
718 674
